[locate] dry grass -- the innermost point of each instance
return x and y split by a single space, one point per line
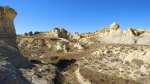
100 78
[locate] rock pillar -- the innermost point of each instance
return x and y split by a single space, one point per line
7 29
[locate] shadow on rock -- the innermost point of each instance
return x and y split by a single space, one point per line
61 66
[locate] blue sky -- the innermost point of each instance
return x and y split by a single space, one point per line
79 15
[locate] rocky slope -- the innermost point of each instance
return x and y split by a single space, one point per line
113 35
107 56
117 64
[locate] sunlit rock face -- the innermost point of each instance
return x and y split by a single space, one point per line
7 29
59 33
114 26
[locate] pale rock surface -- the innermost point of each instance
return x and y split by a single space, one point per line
78 46
114 26
61 46
76 36
80 78
113 35
144 40
117 38
124 62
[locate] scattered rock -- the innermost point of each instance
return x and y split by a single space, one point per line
122 62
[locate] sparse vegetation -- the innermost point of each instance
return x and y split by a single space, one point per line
107 56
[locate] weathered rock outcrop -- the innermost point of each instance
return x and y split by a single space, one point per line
10 57
117 64
8 46
113 35
112 56
7 29
57 33
134 32
114 26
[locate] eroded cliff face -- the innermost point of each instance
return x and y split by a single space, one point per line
113 35
107 56
7 16
7 29
10 58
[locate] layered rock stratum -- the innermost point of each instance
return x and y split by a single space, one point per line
10 57
7 29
